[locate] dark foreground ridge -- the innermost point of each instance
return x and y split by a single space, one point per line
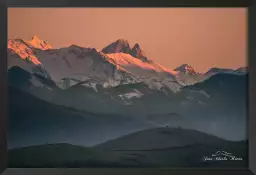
190 153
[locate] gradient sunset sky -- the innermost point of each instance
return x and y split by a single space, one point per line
201 37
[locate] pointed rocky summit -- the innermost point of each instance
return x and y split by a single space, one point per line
39 44
118 46
137 52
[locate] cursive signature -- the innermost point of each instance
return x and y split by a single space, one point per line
222 156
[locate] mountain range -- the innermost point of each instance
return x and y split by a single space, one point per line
84 96
115 65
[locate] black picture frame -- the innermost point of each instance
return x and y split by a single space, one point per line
130 3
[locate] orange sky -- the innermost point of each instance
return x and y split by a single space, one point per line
202 37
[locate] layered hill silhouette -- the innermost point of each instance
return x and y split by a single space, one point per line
160 147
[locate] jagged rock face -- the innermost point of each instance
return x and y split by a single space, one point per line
39 44
21 49
120 45
138 53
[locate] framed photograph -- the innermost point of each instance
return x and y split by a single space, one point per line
126 88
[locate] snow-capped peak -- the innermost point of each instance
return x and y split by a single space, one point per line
39 44
186 68
22 49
